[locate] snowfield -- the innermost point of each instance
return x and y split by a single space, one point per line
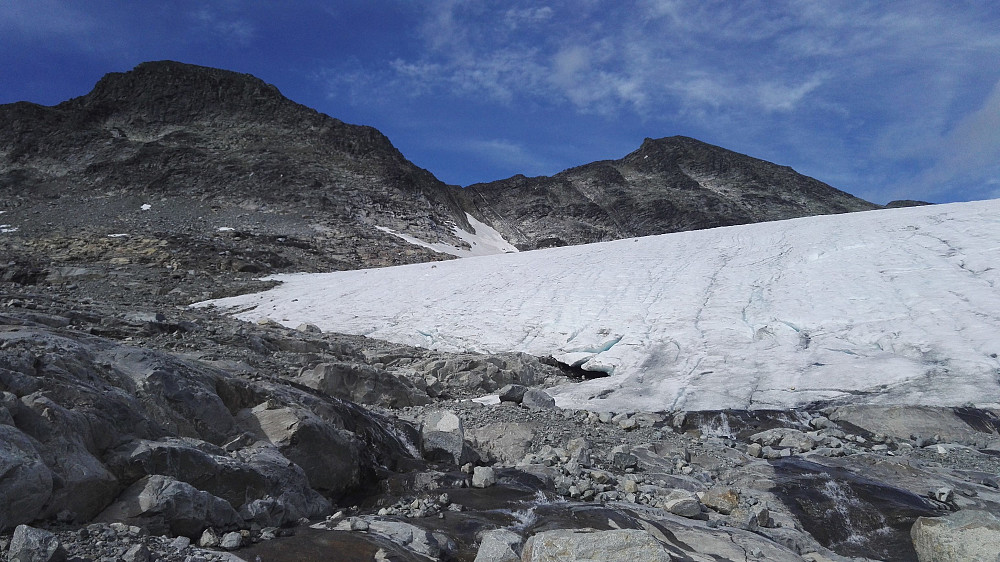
896 306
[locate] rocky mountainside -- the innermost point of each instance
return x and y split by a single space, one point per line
214 163
667 185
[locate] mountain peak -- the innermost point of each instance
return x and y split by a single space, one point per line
175 91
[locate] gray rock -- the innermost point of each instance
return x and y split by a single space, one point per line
329 456
683 503
137 553
410 536
483 477
499 545
504 442
512 393
364 384
231 541
164 505
442 436
34 545
722 499
209 538
537 399
621 545
26 484
965 535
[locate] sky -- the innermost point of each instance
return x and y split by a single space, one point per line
885 100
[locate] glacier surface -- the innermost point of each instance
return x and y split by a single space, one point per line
897 306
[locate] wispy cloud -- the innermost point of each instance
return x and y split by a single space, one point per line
231 29
892 81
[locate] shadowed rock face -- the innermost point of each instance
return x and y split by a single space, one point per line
668 185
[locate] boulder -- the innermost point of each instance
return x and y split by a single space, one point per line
34 545
363 384
906 422
504 442
329 456
620 545
721 499
683 503
25 480
483 477
964 535
499 545
512 393
537 399
442 437
164 505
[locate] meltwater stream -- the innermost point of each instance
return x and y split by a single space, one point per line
848 513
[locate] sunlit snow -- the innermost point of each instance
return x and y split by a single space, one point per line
484 242
892 306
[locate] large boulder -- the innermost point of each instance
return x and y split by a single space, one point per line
619 545
363 384
903 422
260 482
164 505
329 455
34 545
442 437
504 442
965 535
25 480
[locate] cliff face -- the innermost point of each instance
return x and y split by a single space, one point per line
667 185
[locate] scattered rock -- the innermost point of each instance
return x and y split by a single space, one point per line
512 393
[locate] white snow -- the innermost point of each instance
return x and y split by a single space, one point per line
486 241
225 229
146 207
118 235
5 228
897 306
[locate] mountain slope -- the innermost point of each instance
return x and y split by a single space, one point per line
209 148
888 307
667 185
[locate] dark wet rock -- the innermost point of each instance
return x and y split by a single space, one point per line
849 513
965 535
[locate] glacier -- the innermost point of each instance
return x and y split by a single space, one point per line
896 306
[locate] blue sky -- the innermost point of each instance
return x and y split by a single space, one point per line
885 100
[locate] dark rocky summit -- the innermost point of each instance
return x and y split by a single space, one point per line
134 427
668 185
